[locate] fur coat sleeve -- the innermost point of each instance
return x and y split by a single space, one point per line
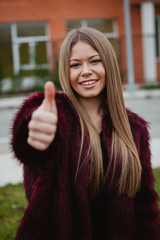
23 152
35 162
145 202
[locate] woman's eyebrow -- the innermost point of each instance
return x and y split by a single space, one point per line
76 59
96 55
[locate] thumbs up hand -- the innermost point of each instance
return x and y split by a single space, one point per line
43 124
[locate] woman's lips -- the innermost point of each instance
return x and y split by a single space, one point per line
88 83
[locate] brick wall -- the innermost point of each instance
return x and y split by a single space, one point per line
58 12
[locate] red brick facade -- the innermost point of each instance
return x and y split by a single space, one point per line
56 13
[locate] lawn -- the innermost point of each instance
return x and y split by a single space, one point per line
13 203
12 206
156 173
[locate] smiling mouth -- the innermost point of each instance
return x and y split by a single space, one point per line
85 83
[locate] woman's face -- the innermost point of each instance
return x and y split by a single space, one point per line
87 73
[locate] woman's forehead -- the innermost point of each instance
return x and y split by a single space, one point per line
82 48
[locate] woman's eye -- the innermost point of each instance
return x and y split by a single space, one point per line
96 61
74 65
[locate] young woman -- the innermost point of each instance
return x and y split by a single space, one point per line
87 170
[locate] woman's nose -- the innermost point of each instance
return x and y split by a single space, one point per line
86 70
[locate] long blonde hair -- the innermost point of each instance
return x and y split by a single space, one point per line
122 140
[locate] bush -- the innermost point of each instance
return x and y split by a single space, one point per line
151 86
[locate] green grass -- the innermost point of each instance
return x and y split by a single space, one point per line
12 206
13 203
156 173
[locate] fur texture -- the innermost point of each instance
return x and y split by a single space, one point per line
59 209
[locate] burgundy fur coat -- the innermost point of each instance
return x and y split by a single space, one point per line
57 208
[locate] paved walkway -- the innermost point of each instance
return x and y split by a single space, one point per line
16 101
11 171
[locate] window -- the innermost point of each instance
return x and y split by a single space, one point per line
23 47
158 36
30 46
6 63
106 26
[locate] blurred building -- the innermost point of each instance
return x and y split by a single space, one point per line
31 33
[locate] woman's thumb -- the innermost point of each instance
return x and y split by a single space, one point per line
49 96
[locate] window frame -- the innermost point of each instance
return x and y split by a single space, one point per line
158 37
109 35
31 41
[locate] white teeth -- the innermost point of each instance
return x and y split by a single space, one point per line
87 83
